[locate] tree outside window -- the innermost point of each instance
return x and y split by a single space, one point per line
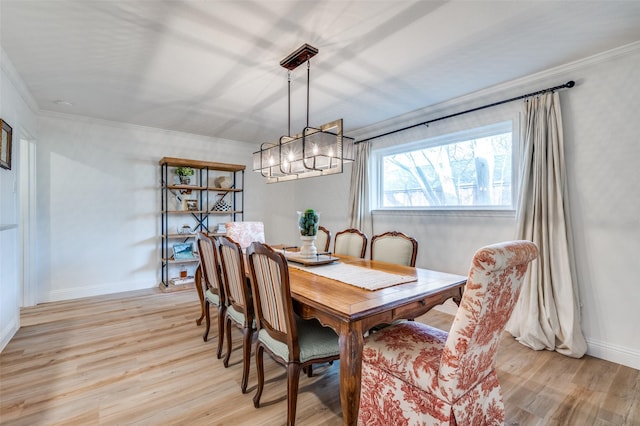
474 172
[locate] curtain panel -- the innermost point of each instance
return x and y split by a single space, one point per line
359 213
547 315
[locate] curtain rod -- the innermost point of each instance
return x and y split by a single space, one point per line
567 85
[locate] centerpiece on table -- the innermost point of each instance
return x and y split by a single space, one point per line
308 222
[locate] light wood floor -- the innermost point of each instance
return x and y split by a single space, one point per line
138 358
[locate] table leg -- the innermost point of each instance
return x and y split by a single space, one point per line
458 296
351 343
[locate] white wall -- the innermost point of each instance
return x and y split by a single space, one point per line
99 201
15 109
601 127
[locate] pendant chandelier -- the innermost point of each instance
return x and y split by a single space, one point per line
316 151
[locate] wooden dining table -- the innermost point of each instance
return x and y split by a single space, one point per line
352 311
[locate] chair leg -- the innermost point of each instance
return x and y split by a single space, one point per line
207 316
293 379
260 371
200 295
221 316
228 335
309 369
246 357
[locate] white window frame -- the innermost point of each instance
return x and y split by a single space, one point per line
475 131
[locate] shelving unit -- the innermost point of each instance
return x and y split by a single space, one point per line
204 196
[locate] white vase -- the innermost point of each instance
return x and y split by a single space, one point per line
308 248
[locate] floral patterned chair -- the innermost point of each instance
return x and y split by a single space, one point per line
244 233
414 374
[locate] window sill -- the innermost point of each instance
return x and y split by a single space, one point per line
445 212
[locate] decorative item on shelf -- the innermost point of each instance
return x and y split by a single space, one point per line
183 251
308 222
221 205
184 174
192 205
222 229
189 279
223 182
184 229
316 151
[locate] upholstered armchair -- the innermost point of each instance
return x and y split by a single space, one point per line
414 374
239 303
212 285
394 247
290 340
323 239
244 233
351 242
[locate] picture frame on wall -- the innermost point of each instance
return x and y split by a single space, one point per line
5 145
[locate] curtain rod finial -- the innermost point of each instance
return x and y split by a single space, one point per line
570 84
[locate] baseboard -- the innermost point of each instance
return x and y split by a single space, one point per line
448 307
7 334
614 353
97 290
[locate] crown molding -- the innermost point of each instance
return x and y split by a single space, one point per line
493 93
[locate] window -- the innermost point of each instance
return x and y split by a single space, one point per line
472 169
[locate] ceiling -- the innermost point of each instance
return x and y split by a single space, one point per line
212 67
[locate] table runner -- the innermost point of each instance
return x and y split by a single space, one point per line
368 279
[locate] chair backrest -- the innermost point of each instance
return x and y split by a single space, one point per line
323 239
235 279
351 242
492 290
394 247
210 264
244 233
272 296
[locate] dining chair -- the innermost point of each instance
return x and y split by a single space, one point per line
394 247
416 374
351 242
244 233
213 289
290 340
239 303
323 239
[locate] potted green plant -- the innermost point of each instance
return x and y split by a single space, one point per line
308 226
184 173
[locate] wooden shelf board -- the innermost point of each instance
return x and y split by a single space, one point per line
198 164
171 288
203 212
204 188
172 260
